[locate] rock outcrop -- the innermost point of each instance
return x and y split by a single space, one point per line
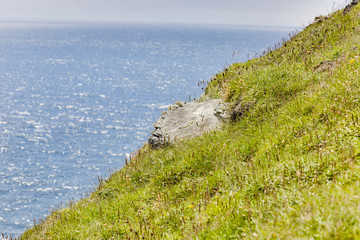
350 6
184 120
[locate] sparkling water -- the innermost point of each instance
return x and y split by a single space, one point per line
75 98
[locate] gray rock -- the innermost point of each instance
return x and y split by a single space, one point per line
184 120
221 112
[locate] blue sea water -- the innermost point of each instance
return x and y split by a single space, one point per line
75 98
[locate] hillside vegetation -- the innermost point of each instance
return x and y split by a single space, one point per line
288 167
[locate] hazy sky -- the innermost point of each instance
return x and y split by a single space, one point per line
253 12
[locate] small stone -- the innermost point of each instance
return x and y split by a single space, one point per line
184 120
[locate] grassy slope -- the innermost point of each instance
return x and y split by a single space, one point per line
289 169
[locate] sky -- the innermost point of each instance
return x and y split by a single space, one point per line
240 12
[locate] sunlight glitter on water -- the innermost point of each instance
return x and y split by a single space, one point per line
76 100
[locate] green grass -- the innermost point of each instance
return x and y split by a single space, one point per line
287 169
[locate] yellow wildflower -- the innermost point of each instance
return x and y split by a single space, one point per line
352 60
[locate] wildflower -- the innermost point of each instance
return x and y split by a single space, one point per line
352 60
191 206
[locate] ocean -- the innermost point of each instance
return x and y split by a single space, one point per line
77 98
